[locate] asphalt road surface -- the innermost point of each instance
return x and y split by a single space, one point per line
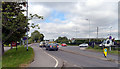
86 52
42 59
74 60
80 60
6 48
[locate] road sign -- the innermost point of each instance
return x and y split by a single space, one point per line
24 38
105 52
13 44
110 37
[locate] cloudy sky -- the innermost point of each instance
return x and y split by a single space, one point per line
69 18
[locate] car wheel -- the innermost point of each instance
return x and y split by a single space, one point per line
41 46
56 50
48 49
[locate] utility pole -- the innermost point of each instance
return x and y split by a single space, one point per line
110 30
76 32
97 32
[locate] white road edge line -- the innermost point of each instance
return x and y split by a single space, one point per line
53 58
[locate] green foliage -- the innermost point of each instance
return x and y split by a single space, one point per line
14 23
100 49
77 42
34 17
30 41
62 40
37 36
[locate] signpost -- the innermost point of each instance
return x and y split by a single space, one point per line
24 38
110 37
105 52
14 44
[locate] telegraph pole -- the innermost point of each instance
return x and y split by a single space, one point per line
110 30
97 32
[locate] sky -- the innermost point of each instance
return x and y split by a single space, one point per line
75 19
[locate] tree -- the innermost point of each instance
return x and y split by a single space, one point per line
14 22
36 35
62 40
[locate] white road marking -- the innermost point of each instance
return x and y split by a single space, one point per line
82 48
52 57
75 65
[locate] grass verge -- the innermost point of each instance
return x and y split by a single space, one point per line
72 45
98 49
19 58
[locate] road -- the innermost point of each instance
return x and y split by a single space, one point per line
43 59
40 58
86 52
6 48
75 60
80 60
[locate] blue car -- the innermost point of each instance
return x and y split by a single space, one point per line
52 46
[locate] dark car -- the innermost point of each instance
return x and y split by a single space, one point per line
52 46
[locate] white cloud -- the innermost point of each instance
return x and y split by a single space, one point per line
39 9
100 12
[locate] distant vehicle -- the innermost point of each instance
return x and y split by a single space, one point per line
83 45
63 44
42 44
52 46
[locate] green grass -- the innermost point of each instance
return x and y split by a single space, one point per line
19 58
72 45
0 62
98 49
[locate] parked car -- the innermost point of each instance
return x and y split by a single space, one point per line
52 46
83 45
63 44
42 44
